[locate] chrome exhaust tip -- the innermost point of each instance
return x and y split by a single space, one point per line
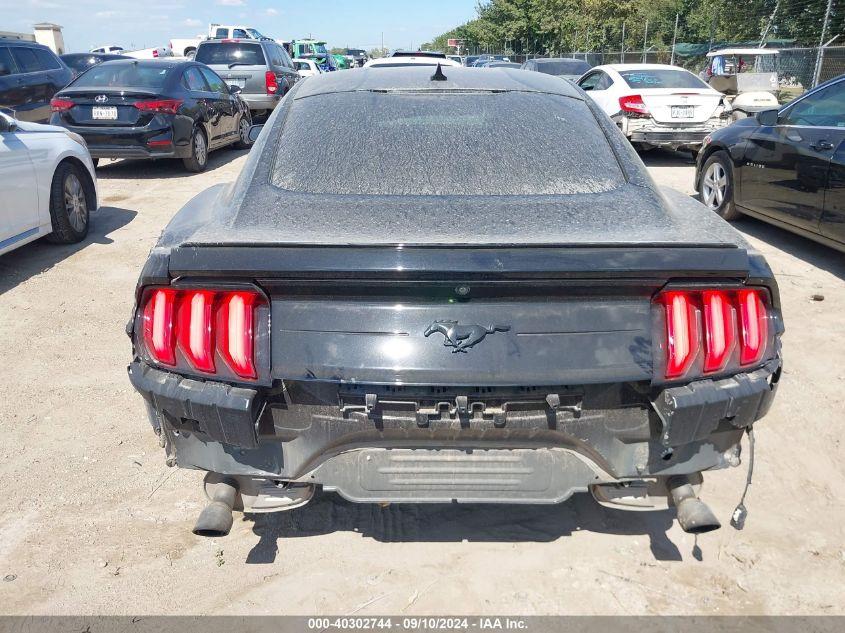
694 516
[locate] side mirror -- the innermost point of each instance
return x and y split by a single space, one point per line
235 90
767 117
7 124
254 132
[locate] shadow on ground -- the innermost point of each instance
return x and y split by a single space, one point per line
164 168
813 253
666 158
40 256
329 513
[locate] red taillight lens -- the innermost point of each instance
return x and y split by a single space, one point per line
61 105
194 329
158 326
235 332
197 329
633 104
754 329
271 83
163 106
719 329
682 337
155 52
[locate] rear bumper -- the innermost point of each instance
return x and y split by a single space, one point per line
653 133
525 445
132 142
261 101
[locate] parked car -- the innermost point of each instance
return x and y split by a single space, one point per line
306 67
563 67
311 49
470 60
657 105
80 62
187 47
30 74
140 53
786 166
511 65
404 53
410 60
501 332
262 69
483 59
359 55
153 109
48 184
456 58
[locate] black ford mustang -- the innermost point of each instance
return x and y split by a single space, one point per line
784 166
349 315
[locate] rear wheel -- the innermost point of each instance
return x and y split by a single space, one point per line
717 186
190 53
243 133
71 197
198 160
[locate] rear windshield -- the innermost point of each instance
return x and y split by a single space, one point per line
230 54
564 67
418 54
123 75
661 78
511 143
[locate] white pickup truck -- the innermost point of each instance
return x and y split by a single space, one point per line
141 53
187 47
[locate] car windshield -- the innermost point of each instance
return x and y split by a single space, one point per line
481 143
230 53
661 78
255 34
563 67
354 51
320 49
123 75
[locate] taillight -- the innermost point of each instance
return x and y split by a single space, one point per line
235 328
158 326
271 83
61 105
155 52
704 328
719 330
194 330
753 325
682 338
163 106
202 330
633 104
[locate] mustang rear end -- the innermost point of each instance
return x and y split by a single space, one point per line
416 339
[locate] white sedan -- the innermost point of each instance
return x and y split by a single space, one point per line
657 105
48 184
306 67
410 60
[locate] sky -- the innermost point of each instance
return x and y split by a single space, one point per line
142 23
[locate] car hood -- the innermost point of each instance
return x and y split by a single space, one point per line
628 215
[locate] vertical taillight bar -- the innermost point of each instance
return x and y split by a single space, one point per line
682 338
158 326
194 329
235 332
719 330
754 330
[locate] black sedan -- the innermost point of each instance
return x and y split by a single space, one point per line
153 109
500 331
80 62
783 166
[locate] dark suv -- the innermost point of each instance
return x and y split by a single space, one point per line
30 74
262 69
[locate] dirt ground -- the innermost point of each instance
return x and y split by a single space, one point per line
93 521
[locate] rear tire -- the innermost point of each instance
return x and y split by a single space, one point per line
716 190
243 133
191 53
198 160
71 198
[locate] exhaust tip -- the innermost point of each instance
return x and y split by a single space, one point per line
216 519
694 516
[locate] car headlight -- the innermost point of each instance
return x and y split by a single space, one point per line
76 137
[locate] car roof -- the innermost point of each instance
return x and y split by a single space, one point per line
543 60
411 79
146 62
624 67
11 41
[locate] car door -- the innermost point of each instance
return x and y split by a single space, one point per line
786 166
596 84
832 223
19 200
35 86
221 108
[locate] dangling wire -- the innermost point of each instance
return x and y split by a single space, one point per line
741 512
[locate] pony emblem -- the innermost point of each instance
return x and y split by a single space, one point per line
462 337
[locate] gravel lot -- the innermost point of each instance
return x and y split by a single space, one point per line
94 522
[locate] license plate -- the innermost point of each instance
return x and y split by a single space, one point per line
240 83
682 112
104 112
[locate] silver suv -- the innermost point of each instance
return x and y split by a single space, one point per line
262 69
